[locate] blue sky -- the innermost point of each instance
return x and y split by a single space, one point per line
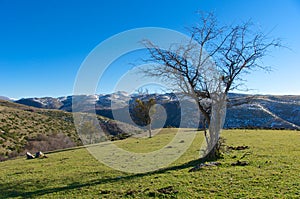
43 43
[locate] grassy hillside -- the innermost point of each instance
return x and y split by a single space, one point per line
24 128
273 171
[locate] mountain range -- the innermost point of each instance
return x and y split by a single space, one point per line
247 111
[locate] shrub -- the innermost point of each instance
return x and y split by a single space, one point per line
49 143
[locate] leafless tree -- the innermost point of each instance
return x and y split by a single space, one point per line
211 64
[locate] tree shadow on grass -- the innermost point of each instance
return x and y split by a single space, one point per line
9 191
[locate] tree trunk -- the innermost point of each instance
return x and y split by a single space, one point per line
213 154
149 130
215 125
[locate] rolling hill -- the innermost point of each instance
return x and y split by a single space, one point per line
24 128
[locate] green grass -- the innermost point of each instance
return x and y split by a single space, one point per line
273 171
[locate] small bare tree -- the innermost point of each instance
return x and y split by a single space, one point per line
210 65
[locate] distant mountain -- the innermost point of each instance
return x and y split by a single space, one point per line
266 111
45 102
84 101
5 98
259 111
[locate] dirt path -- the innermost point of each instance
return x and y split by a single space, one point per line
145 134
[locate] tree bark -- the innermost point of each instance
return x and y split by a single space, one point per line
215 125
213 154
149 130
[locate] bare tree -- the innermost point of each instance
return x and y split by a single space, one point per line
210 65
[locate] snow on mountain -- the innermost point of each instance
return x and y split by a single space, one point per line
259 111
5 98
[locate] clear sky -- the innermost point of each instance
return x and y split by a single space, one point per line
43 43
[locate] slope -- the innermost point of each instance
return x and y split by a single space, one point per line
24 128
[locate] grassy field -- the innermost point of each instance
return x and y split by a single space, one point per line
273 171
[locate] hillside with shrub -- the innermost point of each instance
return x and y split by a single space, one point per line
24 128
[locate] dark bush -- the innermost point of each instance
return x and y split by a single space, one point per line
49 143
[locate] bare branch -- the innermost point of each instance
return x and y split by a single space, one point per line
235 50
